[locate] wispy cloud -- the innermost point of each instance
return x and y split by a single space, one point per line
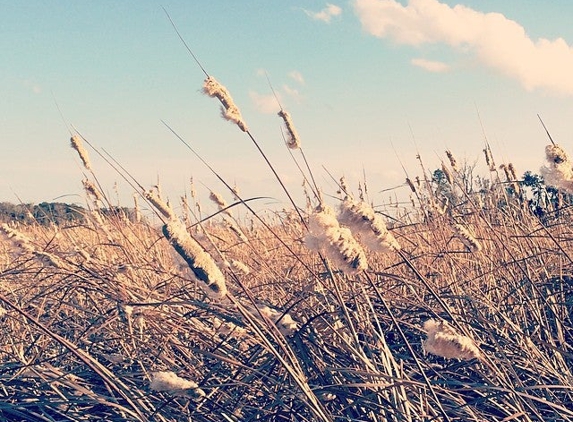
265 103
494 40
325 14
297 76
431 65
32 86
293 93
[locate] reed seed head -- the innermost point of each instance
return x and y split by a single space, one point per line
444 341
218 199
293 140
453 162
199 261
326 235
19 241
161 206
77 144
360 218
167 381
92 190
284 322
229 111
448 174
489 159
467 238
559 171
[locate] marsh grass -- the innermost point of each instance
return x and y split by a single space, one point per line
107 319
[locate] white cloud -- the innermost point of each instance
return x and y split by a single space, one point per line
494 40
431 65
325 14
293 93
266 104
297 76
32 86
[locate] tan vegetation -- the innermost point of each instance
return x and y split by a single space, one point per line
461 308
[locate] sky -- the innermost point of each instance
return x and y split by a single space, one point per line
369 85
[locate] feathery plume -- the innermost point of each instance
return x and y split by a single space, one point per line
293 140
344 186
92 190
238 266
444 341
448 174
161 206
467 238
17 239
489 158
199 261
361 219
326 235
234 227
173 384
229 111
218 199
77 144
453 162
510 175
283 321
559 171
410 184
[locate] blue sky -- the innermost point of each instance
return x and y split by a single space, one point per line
361 79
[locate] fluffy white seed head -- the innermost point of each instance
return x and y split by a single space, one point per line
229 111
283 321
559 170
167 381
444 341
361 219
199 261
77 144
161 206
293 140
337 243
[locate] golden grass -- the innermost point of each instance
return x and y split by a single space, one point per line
82 340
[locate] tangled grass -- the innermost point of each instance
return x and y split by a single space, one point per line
459 309
82 335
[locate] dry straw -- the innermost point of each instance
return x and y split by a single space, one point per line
444 341
361 219
559 171
19 242
229 111
467 238
77 144
167 381
448 174
326 235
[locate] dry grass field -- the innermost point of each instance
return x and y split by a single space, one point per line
457 310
